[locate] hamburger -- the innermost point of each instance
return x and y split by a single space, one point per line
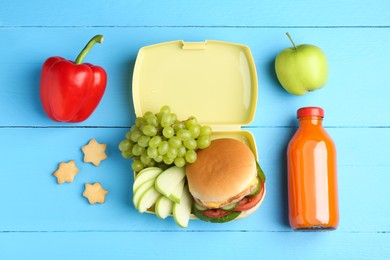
225 181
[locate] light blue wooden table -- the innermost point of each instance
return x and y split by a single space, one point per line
42 220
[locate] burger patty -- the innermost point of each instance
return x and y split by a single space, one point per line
214 205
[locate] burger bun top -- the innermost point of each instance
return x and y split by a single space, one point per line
223 170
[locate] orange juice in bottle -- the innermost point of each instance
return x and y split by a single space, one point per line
312 174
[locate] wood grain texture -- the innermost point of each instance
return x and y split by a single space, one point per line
356 69
37 203
40 219
201 13
180 245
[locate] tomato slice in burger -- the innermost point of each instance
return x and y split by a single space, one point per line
215 219
215 213
249 202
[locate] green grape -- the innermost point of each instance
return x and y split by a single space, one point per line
179 161
166 120
145 159
174 117
159 158
155 141
137 165
159 116
178 125
135 135
163 148
195 131
190 156
203 141
190 144
165 110
137 150
168 132
125 145
174 141
127 154
143 141
148 114
181 151
161 139
191 121
134 128
151 163
139 121
149 130
184 134
152 120
141 127
205 130
172 152
128 134
152 152
167 160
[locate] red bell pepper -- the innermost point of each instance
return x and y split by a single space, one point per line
70 91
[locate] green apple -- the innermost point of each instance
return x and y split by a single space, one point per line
145 175
148 199
168 180
163 207
182 210
301 68
141 190
176 193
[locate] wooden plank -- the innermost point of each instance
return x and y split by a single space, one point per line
40 219
33 201
183 245
351 98
195 13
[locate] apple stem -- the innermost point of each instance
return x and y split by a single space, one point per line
288 35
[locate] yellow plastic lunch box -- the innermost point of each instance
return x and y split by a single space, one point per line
214 81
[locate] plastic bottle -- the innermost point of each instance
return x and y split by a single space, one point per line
312 174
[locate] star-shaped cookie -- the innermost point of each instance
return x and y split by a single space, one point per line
66 172
94 152
95 193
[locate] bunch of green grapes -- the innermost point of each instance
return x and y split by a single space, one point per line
161 139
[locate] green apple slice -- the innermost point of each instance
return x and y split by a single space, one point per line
148 199
182 210
176 193
141 190
145 175
168 180
163 207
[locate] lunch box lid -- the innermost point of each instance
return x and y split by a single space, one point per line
214 81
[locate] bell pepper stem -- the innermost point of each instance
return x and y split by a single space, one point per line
96 39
